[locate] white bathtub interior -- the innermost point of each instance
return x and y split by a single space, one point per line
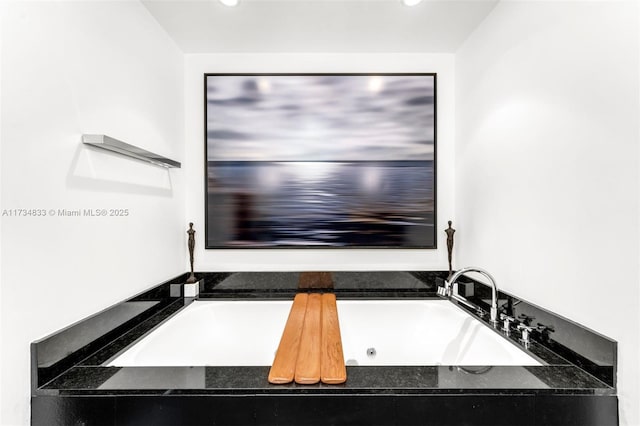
374 333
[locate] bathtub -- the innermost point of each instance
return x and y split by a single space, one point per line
374 333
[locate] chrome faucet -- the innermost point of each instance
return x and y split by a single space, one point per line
448 290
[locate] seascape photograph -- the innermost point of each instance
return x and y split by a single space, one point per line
320 161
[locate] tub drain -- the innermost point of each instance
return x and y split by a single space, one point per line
371 352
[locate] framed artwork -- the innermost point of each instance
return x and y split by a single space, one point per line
320 160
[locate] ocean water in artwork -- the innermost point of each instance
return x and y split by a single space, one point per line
330 204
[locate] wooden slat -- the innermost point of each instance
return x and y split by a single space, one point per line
333 370
284 365
308 364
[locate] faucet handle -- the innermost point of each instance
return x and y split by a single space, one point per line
545 328
544 331
441 291
445 290
526 319
507 320
526 331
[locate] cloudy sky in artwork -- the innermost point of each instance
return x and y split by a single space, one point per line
320 118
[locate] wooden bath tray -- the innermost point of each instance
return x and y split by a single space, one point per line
310 348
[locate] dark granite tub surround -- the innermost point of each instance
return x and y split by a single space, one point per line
544 380
72 385
53 355
345 283
591 351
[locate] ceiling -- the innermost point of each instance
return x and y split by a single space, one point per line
207 26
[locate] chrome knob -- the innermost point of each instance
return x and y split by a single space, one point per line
526 319
506 322
526 332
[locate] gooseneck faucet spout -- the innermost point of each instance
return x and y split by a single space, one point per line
449 289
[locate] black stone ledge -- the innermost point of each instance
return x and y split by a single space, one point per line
342 294
218 283
138 332
98 337
583 347
81 373
57 353
496 380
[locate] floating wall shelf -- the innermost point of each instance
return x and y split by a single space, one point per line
111 144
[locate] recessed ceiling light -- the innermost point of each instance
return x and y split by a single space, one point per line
230 3
411 2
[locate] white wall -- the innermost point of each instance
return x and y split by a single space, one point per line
70 68
547 164
1 350
355 259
